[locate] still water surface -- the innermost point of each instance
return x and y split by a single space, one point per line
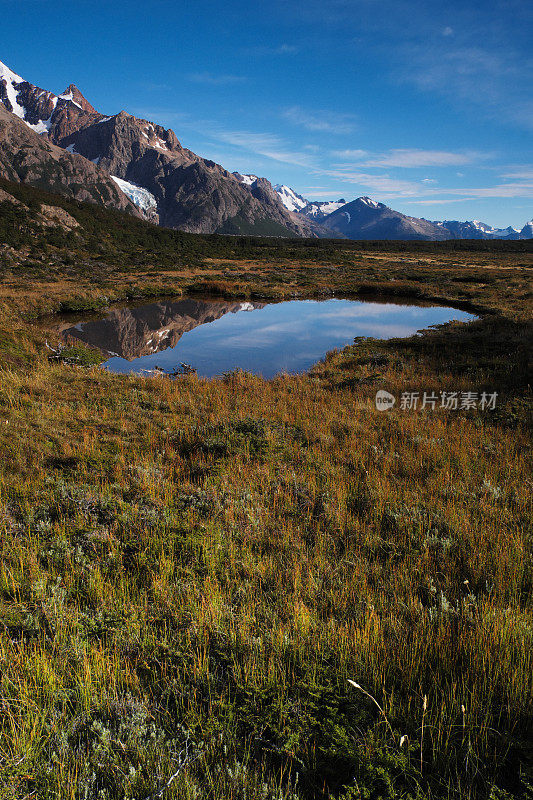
216 336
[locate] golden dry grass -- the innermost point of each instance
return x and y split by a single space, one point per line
192 571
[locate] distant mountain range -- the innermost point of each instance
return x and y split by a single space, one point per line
61 143
480 230
364 218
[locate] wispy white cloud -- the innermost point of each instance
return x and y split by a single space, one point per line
352 155
515 183
153 86
273 147
524 173
498 191
320 120
213 79
387 187
461 65
412 158
522 113
283 49
501 190
383 185
360 176
405 157
440 201
265 144
476 55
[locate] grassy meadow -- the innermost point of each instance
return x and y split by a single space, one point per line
193 571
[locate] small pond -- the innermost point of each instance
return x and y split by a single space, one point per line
217 336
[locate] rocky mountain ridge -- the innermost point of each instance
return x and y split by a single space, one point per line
191 193
26 157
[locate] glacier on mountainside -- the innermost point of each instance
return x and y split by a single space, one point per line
138 195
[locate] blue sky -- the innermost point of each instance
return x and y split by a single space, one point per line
425 105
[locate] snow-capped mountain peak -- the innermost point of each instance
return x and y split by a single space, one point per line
247 179
11 81
489 229
317 210
117 145
38 108
369 202
8 74
290 199
481 226
320 209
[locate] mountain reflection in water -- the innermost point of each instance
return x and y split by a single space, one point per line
134 332
215 336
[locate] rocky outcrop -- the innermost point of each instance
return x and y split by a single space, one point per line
27 157
5 197
49 216
55 216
